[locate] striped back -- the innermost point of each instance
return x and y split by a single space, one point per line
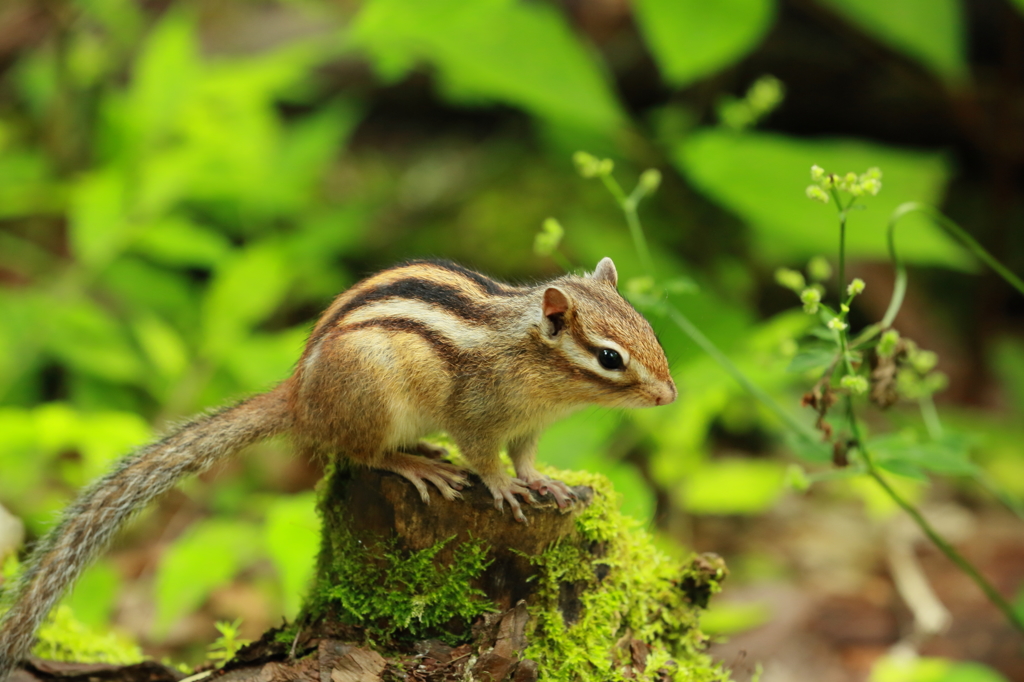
471 320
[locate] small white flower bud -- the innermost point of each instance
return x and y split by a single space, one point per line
817 194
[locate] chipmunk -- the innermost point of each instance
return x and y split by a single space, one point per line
420 347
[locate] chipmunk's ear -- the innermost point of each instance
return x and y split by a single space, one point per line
605 270
556 304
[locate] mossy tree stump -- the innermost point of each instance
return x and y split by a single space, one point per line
383 511
457 590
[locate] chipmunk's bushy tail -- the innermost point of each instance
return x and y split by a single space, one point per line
92 521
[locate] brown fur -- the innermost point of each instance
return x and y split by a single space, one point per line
417 348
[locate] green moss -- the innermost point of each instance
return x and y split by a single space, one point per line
62 637
642 595
288 633
397 593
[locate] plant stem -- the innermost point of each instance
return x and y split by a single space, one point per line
729 366
633 220
955 231
947 549
929 414
933 535
629 208
842 240
842 253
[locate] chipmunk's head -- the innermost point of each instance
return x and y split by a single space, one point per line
602 343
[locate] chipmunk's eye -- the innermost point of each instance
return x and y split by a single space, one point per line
609 359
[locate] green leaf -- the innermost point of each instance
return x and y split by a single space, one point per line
20 463
733 486
244 291
761 177
293 538
813 356
949 455
90 340
523 54
165 72
180 242
307 147
143 288
930 31
92 600
163 346
724 618
693 38
22 317
207 557
26 187
894 668
902 467
106 437
98 227
262 360
571 441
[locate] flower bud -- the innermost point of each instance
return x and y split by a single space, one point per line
811 298
817 173
587 165
837 325
854 383
887 344
765 94
791 279
855 287
816 193
650 179
924 361
549 237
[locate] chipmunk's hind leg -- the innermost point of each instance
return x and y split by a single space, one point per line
343 410
447 478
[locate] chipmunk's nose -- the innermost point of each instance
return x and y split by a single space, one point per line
666 393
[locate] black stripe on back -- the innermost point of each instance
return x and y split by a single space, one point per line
448 351
441 295
486 283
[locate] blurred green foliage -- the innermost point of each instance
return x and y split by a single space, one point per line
896 669
175 210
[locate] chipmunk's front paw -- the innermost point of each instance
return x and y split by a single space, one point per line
534 480
505 490
563 494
